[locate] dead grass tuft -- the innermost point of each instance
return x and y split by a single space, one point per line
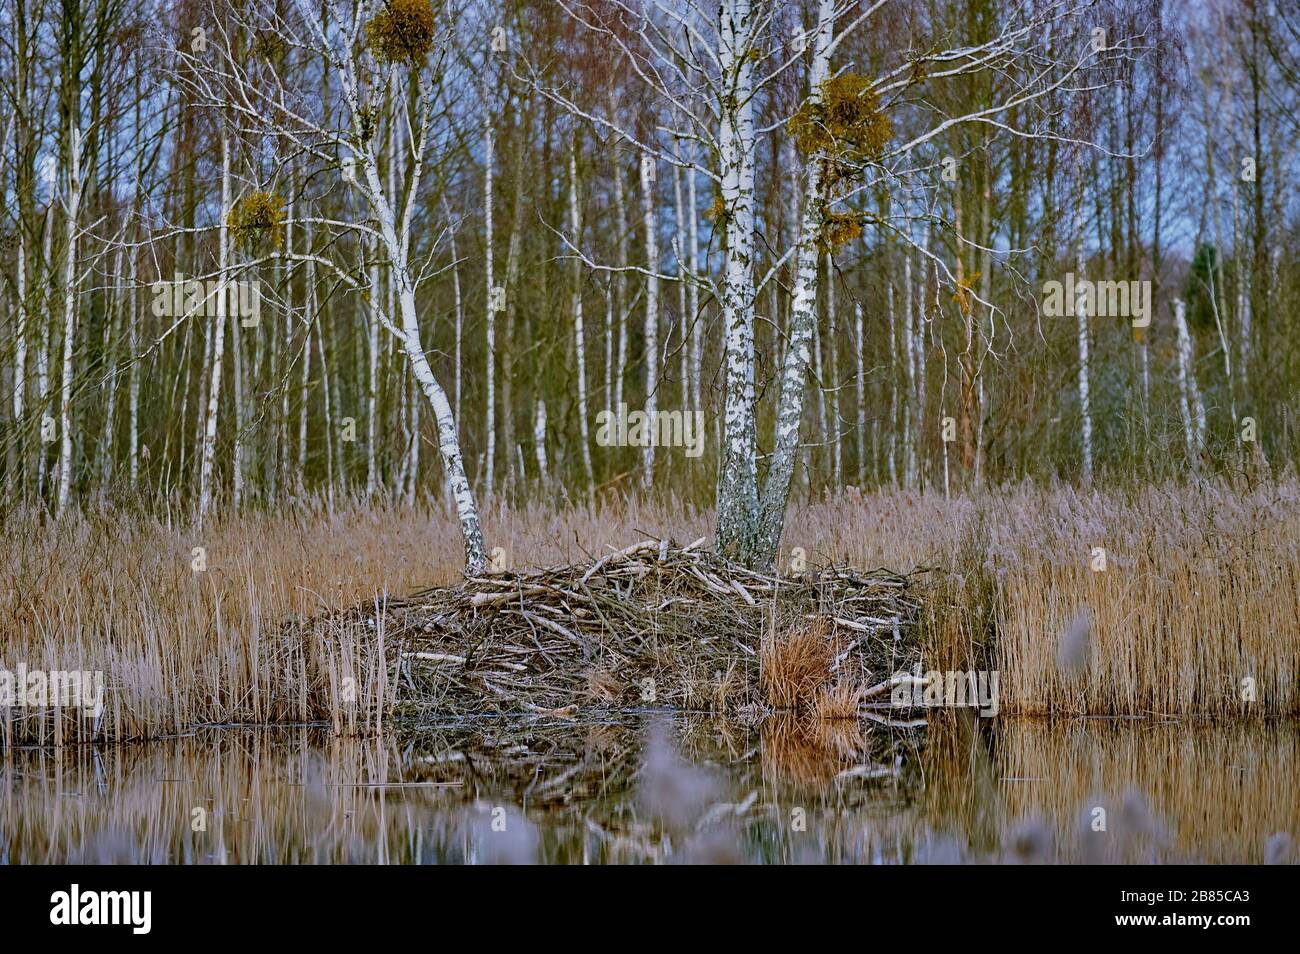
795 667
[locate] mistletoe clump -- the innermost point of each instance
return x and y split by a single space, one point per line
402 32
845 123
839 228
257 216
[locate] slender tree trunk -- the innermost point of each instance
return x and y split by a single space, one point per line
579 333
683 322
371 317
819 378
861 378
1193 411
43 346
693 292
218 338
651 313
70 301
514 254
459 315
620 207
837 447
893 387
237 400
111 361
1081 313
539 441
133 349
489 426
396 245
909 364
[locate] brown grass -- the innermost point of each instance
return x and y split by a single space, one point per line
795 666
1200 591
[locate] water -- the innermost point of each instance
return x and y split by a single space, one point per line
663 788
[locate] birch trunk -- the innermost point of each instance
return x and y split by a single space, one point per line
514 253
651 312
490 425
1193 410
579 333
218 338
43 344
737 495
909 365
237 402
837 456
70 298
395 235
111 359
693 292
459 314
819 379
620 284
372 379
1081 313
683 323
892 466
20 331
803 316
862 395
132 347
539 440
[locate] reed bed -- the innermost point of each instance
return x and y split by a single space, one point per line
1195 611
1200 591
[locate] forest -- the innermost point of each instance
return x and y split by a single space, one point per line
262 254
622 431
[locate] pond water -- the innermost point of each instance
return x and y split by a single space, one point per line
661 788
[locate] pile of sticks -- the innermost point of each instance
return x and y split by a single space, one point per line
648 626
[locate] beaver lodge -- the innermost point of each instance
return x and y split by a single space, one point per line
650 626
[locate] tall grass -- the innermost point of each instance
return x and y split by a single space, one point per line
1201 591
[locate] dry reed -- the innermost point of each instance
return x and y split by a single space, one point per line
1200 591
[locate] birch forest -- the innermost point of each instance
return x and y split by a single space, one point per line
650 431
261 254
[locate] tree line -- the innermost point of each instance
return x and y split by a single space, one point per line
256 253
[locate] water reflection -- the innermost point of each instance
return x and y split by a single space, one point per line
660 789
